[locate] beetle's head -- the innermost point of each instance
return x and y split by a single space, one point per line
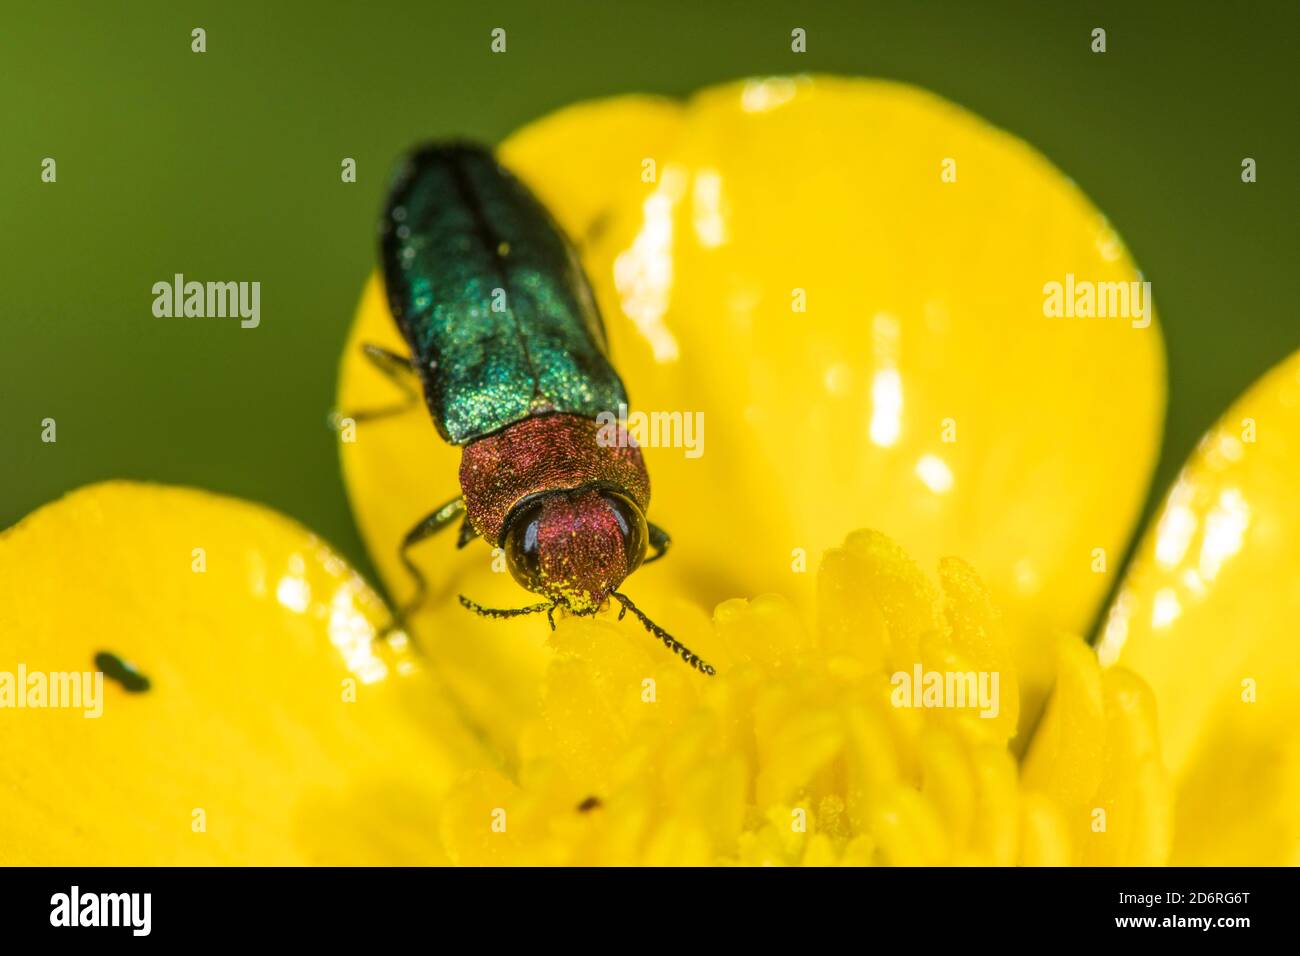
575 547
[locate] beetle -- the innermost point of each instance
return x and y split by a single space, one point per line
511 358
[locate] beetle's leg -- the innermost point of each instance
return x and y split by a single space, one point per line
467 534
398 369
659 543
430 526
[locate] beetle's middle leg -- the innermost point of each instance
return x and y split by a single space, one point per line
398 369
430 525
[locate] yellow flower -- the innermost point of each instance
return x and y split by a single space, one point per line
800 753
847 278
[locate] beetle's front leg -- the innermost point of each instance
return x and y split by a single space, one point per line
429 526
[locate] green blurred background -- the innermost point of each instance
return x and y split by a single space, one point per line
225 166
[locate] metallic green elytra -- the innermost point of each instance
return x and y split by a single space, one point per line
488 294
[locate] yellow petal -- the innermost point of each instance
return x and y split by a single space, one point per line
921 390
276 728
924 322
1207 615
586 189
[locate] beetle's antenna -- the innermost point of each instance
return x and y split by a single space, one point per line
482 611
674 645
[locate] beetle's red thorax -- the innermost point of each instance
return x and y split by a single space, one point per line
545 453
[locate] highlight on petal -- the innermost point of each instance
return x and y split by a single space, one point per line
809 747
848 279
1207 617
248 713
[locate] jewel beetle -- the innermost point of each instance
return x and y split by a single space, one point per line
508 350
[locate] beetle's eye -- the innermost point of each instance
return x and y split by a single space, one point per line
523 553
632 523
